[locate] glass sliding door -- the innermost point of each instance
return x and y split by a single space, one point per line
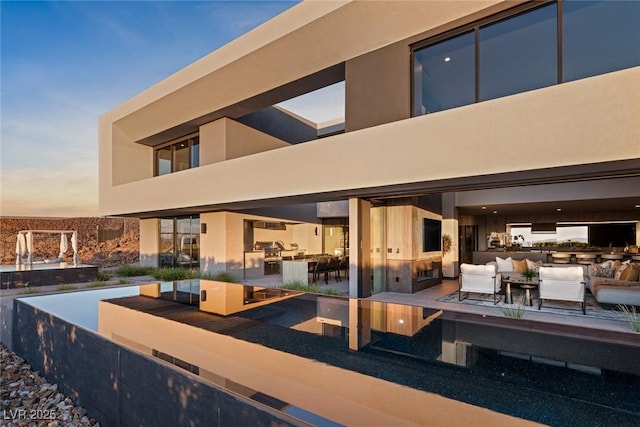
178 156
181 156
167 246
188 239
163 161
180 242
335 238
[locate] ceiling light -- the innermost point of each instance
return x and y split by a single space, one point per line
637 206
447 59
559 209
484 207
495 212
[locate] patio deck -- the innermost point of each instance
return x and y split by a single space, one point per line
584 342
428 298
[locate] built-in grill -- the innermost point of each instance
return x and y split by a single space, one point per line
272 253
272 258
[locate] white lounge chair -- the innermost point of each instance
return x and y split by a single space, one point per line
563 284
481 279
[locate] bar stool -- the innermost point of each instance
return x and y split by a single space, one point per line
561 258
585 258
611 257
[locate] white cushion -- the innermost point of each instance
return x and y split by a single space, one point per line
504 264
478 270
566 273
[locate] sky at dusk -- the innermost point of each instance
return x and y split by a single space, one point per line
63 64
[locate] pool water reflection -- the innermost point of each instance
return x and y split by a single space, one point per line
266 344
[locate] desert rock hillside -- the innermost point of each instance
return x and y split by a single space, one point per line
104 242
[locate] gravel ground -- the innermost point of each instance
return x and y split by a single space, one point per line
29 400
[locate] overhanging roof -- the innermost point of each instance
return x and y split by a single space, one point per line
304 40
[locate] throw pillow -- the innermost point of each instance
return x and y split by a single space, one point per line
606 269
534 265
631 273
519 265
619 271
504 264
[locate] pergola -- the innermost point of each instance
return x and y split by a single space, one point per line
24 244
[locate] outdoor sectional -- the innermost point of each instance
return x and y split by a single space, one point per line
605 290
612 291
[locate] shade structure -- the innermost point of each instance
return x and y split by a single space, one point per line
74 245
64 245
30 247
20 248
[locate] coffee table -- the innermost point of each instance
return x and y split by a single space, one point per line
527 285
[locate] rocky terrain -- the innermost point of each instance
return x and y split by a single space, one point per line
104 242
28 400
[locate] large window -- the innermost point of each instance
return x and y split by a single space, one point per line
599 37
518 54
178 156
531 49
445 75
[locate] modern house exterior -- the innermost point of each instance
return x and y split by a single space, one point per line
463 119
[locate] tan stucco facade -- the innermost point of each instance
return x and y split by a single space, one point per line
585 121
591 121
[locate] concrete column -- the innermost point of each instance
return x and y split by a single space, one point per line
359 323
222 246
213 244
360 283
149 242
450 260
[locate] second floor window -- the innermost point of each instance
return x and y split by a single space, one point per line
542 45
178 156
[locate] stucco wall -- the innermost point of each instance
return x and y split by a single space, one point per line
378 87
226 139
585 121
149 242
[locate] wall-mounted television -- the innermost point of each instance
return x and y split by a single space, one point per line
614 235
431 235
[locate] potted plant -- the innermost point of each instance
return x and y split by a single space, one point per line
446 243
529 274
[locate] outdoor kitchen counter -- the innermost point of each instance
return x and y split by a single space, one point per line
296 270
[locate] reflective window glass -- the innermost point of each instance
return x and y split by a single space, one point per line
444 75
519 53
163 157
599 37
195 153
181 156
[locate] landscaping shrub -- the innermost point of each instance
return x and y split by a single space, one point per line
296 285
171 274
219 276
103 276
132 270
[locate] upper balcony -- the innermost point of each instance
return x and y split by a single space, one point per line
587 121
